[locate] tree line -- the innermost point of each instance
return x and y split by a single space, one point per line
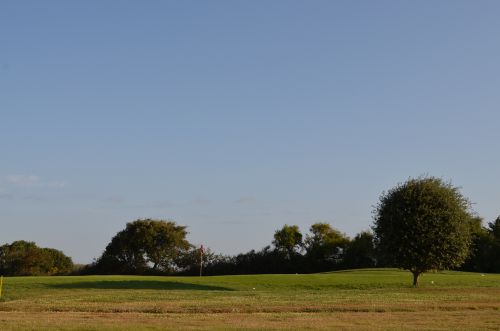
23 258
420 225
148 246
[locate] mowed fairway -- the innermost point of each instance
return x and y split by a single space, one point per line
375 299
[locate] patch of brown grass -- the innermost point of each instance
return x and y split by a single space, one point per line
429 320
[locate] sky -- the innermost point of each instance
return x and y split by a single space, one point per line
237 117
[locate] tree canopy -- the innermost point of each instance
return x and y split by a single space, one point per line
324 246
23 258
423 224
288 239
145 245
360 251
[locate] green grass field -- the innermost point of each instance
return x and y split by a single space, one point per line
374 299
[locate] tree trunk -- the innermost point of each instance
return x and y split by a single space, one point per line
416 274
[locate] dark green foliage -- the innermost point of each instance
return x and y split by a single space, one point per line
22 258
188 263
288 239
360 252
57 263
480 239
145 246
324 247
423 224
485 255
494 229
494 247
265 261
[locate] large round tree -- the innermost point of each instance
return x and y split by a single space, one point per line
145 246
422 225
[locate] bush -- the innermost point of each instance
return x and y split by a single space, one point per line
23 258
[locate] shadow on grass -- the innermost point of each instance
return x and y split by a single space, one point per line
139 285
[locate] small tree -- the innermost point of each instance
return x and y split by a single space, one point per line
56 262
493 248
494 229
324 246
360 252
423 224
188 263
288 239
480 240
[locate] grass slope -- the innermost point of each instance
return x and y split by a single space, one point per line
374 299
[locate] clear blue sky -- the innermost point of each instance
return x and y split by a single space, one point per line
236 117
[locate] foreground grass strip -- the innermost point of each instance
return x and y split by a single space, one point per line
361 299
471 320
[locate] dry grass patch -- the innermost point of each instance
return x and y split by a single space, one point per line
431 320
